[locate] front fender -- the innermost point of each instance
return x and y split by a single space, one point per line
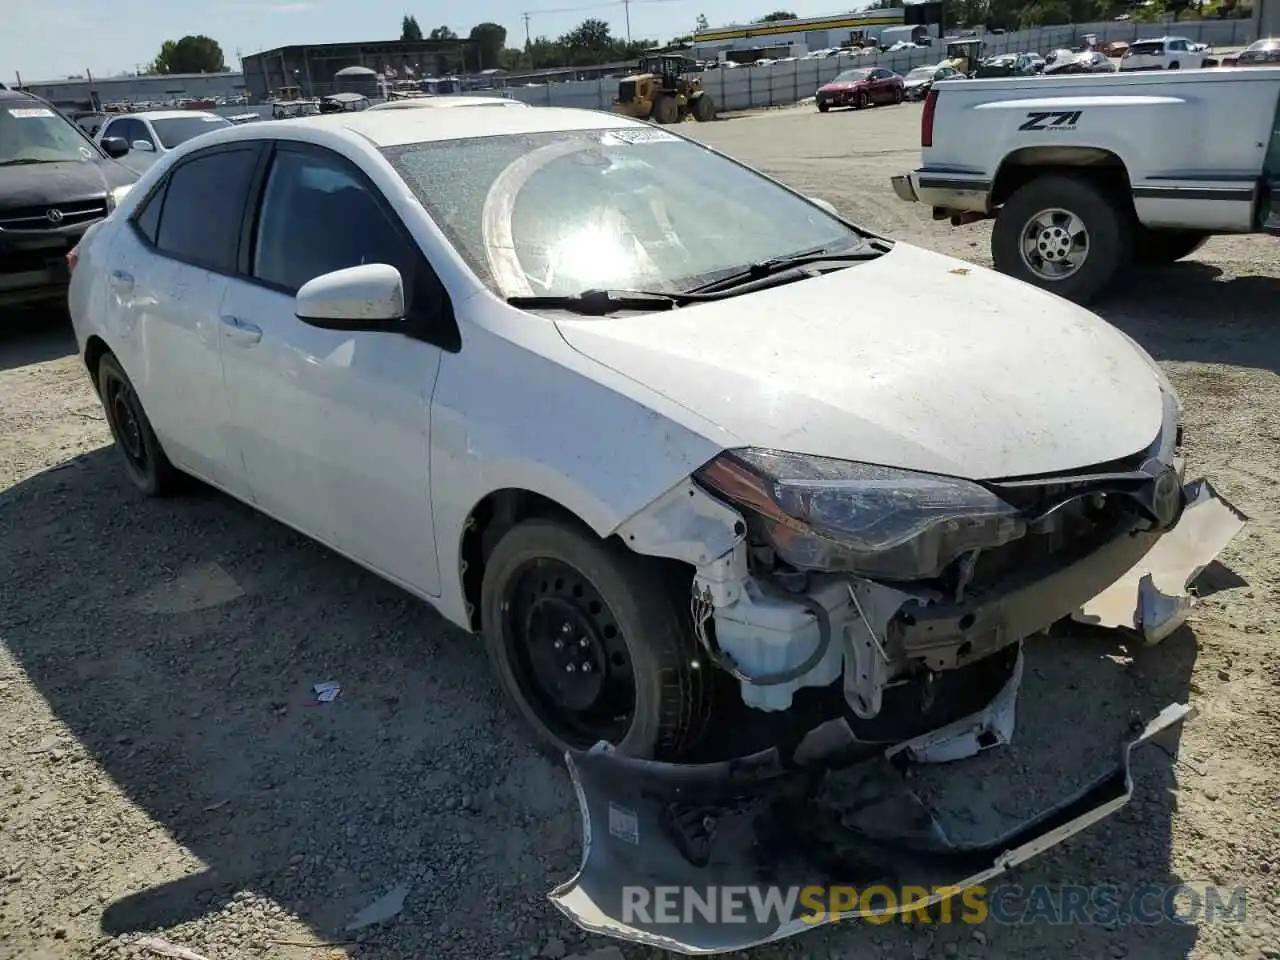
543 418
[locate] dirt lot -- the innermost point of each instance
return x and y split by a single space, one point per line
161 771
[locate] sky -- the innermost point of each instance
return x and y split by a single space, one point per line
59 38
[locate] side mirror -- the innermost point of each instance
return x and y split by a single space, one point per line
115 147
144 145
367 297
826 205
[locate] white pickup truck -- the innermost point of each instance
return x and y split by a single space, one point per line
1087 174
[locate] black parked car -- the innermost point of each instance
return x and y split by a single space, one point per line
918 82
1007 65
54 184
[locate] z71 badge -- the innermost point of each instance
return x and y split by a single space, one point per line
1051 120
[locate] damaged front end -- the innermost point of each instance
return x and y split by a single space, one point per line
721 857
872 618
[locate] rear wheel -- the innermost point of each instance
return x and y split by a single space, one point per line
1160 247
588 641
897 95
1065 234
144 459
666 110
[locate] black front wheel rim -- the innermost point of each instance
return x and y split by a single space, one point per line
568 656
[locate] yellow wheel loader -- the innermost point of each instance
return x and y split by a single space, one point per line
662 90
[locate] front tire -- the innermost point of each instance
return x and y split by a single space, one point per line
145 462
588 641
824 107
861 101
666 110
704 109
1156 248
1064 234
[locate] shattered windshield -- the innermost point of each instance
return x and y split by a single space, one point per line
30 132
176 130
552 214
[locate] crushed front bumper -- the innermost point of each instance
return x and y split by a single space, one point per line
722 857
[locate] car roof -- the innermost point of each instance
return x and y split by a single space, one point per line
7 94
167 114
390 128
409 103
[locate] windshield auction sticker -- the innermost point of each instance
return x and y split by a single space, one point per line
28 113
617 138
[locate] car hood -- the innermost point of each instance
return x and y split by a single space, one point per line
917 82
913 360
31 185
840 86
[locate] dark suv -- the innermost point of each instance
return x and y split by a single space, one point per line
54 184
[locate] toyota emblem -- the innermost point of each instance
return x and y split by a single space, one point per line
54 215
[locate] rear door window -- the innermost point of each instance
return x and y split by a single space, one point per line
204 207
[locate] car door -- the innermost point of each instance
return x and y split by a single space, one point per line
167 275
333 426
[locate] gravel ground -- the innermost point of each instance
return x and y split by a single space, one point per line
162 772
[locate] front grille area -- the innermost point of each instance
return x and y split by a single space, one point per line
37 218
627 91
32 261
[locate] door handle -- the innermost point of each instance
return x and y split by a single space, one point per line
121 280
241 332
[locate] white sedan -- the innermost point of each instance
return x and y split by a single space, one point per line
701 461
151 134
698 458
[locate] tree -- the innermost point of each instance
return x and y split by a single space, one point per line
409 29
191 54
443 33
701 24
776 16
488 40
591 35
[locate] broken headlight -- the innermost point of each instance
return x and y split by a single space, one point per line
840 516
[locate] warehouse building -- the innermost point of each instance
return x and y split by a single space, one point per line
311 68
90 94
800 36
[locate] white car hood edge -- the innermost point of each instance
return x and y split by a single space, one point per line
914 360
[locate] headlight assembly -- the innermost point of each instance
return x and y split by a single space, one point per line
840 516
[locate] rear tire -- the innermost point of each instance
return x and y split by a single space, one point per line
145 462
1154 248
548 580
1044 223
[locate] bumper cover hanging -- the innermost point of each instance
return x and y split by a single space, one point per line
709 833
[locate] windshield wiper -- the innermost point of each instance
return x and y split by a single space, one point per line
599 303
23 161
867 250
